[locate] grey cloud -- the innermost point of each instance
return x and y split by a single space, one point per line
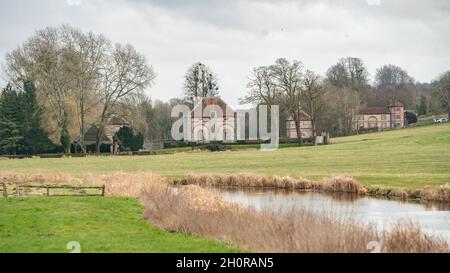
233 36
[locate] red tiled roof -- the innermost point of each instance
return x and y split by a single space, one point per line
303 117
396 104
374 111
215 101
116 120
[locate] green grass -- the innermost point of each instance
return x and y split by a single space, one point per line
408 158
99 224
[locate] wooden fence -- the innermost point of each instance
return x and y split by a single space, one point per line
46 190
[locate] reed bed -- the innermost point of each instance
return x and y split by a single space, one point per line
262 231
196 210
441 194
335 184
342 184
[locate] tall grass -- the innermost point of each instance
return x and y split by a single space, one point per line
196 210
19 178
337 184
342 184
441 194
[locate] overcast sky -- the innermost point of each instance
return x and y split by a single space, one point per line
234 36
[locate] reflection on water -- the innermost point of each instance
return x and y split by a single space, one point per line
434 218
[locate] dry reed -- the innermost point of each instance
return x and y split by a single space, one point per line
196 210
441 194
343 184
38 178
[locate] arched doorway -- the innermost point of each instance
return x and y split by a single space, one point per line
373 122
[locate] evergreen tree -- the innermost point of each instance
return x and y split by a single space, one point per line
10 109
35 138
65 136
10 134
9 137
422 107
138 142
31 112
410 117
128 140
20 122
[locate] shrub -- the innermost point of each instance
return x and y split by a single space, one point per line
128 140
411 118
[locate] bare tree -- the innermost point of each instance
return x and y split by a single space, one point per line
124 74
199 81
392 75
44 59
280 83
394 83
288 78
338 75
313 98
349 72
342 106
89 53
262 87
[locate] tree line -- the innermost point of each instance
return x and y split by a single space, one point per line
69 79
333 100
81 78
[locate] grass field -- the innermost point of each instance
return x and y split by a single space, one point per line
408 158
98 224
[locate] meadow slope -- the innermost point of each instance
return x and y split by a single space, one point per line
100 225
408 158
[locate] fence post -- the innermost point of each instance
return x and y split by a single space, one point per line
103 190
5 190
48 191
17 190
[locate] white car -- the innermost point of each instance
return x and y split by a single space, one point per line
440 120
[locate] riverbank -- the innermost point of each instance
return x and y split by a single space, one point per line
338 184
195 210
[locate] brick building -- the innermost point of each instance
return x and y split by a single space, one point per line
381 118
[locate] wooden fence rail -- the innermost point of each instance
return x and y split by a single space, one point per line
4 190
24 190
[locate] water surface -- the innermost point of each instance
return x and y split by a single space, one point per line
434 218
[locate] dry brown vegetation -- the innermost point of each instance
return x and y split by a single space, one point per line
343 184
196 210
38 178
268 232
441 194
409 238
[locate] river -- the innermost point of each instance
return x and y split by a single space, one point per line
433 218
